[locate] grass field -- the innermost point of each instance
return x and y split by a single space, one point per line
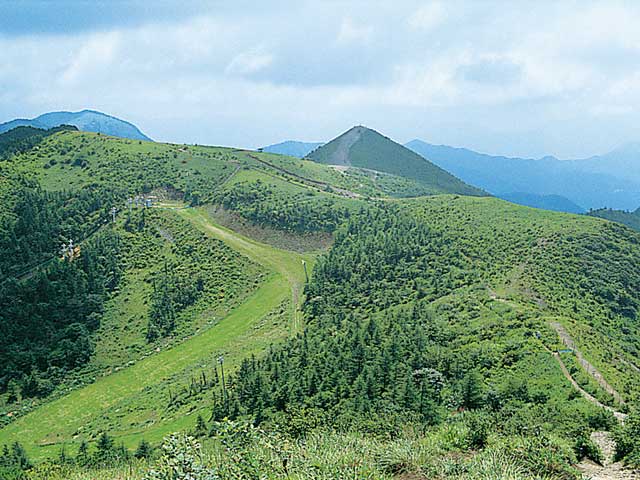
129 402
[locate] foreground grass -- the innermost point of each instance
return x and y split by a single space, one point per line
64 421
441 453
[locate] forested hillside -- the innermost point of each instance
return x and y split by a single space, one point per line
431 339
630 219
446 304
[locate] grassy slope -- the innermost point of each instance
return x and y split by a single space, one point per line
129 403
71 160
67 416
556 264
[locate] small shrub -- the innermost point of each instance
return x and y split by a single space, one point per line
181 459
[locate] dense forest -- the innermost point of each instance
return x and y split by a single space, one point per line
265 205
21 139
391 329
51 301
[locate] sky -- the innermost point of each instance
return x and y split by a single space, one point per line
517 77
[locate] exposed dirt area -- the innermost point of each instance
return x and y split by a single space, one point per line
609 470
287 241
341 154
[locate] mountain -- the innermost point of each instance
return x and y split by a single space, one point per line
365 148
622 162
557 203
500 175
292 148
85 120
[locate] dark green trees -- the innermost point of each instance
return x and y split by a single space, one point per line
49 306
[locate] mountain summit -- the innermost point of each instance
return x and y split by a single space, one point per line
365 148
85 120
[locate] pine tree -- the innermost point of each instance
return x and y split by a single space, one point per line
105 449
200 428
82 457
19 456
471 390
144 450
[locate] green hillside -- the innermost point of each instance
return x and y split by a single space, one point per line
630 219
366 148
433 337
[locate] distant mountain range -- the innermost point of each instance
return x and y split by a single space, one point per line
365 148
292 148
86 120
557 203
591 183
611 180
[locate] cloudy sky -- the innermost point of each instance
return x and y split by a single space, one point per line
511 77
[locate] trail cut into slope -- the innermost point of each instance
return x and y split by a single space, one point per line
591 370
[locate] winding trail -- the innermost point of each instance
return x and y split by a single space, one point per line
591 370
619 415
609 469
43 430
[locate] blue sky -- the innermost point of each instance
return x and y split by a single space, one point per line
517 78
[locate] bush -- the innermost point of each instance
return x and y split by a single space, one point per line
585 448
181 460
627 438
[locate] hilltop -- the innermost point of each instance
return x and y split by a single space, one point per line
365 148
85 120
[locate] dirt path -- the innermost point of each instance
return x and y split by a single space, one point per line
619 415
591 370
609 470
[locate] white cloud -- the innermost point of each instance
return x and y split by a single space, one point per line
96 55
211 78
350 32
428 16
249 62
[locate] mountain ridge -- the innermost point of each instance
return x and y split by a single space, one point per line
292 148
501 175
85 120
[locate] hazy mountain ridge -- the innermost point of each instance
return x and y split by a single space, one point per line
557 203
292 148
589 183
85 120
